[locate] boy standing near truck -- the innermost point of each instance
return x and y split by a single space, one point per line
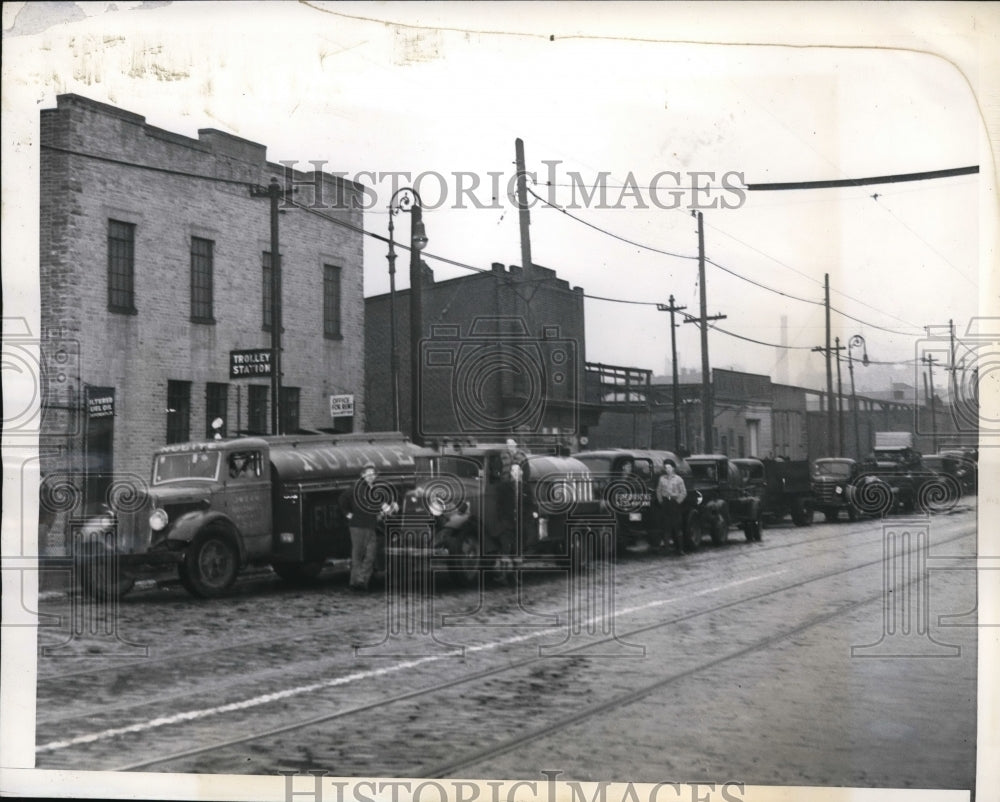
670 492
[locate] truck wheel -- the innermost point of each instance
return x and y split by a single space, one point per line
95 575
802 513
693 532
298 573
720 529
210 564
852 514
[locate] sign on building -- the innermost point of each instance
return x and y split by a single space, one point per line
250 363
100 402
341 406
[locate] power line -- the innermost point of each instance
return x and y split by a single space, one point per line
721 267
611 234
861 182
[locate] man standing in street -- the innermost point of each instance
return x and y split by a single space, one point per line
360 508
670 492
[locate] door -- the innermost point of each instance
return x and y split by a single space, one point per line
753 435
247 497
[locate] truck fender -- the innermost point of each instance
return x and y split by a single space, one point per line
187 527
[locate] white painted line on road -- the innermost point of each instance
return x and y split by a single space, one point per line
246 704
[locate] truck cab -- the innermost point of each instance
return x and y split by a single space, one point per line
724 497
833 484
213 507
486 505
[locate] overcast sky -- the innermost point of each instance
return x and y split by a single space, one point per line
448 89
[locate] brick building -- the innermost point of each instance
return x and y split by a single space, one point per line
155 266
502 354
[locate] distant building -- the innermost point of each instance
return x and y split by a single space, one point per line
502 355
155 268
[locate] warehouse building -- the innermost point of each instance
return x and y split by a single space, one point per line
156 293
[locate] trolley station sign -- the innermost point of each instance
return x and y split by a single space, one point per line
250 363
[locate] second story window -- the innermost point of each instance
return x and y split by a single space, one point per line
201 280
331 301
121 267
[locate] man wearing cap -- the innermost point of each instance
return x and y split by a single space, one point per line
359 507
670 493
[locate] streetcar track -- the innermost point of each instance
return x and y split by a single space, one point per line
541 732
322 629
262 676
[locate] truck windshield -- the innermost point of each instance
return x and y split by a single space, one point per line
704 471
832 469
192 465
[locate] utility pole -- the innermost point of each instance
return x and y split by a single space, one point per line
840 403
829 369
673 351
832 436
929 360
274 192
522 206
702 321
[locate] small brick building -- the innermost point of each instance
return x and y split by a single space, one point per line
155 266
502 355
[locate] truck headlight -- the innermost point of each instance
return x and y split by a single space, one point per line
839 490
158 519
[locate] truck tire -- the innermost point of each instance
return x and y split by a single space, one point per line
802 512
298 573
210 564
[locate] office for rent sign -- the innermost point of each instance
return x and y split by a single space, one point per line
341 406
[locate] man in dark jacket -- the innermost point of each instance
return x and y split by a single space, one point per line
362 509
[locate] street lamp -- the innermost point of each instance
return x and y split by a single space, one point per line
854 342
404 199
